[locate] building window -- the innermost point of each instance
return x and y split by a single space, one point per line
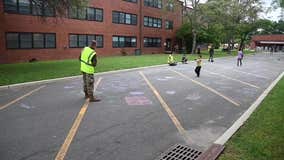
30 40
91 14
123 41
169 24
11 6
38 40
153 3
12 40
124 18
170 6
49 40
152 22
82 40
134 1
152 42
24 7
28 7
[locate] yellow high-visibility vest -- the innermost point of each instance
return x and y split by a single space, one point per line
87 55
171 59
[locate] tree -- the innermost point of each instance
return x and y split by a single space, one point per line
237 17
265 26
184 33
195 20
60 6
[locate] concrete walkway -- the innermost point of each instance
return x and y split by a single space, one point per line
142 112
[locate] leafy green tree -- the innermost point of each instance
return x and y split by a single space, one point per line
184 33
236 16
265 26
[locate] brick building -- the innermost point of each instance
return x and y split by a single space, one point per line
268 42
116 25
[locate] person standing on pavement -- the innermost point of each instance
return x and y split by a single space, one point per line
88 59
240 57
211 53
198 50
198 65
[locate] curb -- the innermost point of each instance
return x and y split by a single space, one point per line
74 77
217 147
238 123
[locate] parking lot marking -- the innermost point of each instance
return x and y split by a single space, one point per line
65 146
239 122
19 98
167 109
233 79
256 75
207 87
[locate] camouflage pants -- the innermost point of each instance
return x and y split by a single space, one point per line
88 82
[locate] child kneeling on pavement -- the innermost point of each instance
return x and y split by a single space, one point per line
171 60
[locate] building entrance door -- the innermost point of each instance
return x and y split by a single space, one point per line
168 45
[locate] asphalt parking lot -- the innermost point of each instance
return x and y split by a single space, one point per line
142 113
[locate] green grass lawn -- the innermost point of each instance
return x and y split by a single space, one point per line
262 136
26 72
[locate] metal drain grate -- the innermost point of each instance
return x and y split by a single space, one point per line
180 152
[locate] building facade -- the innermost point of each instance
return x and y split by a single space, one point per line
268 42
147 26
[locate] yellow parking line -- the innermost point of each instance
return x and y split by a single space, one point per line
209 88
65 146
167 109
18 99
233 79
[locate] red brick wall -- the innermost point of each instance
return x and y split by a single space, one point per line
62 28
276 37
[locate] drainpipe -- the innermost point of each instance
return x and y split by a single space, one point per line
140 26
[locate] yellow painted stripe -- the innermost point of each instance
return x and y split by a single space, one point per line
207 87
18 99
65 146
167 109
233 79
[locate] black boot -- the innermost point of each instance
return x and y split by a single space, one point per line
86 95
93 98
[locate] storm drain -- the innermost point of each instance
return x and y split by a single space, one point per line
180 152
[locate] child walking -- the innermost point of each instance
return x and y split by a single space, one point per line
198 65
240 57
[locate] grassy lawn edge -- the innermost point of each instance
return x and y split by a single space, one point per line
45 70
261 136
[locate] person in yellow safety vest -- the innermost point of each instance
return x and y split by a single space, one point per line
171 60
88 59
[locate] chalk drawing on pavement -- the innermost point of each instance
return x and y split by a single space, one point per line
136 93
137 101
171 92
193 97
22 105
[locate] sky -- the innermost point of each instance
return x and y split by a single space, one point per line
272 15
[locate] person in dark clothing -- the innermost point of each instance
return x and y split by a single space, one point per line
184 59
211 53
198 50
198 65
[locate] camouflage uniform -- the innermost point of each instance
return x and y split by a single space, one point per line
88 61
88 82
